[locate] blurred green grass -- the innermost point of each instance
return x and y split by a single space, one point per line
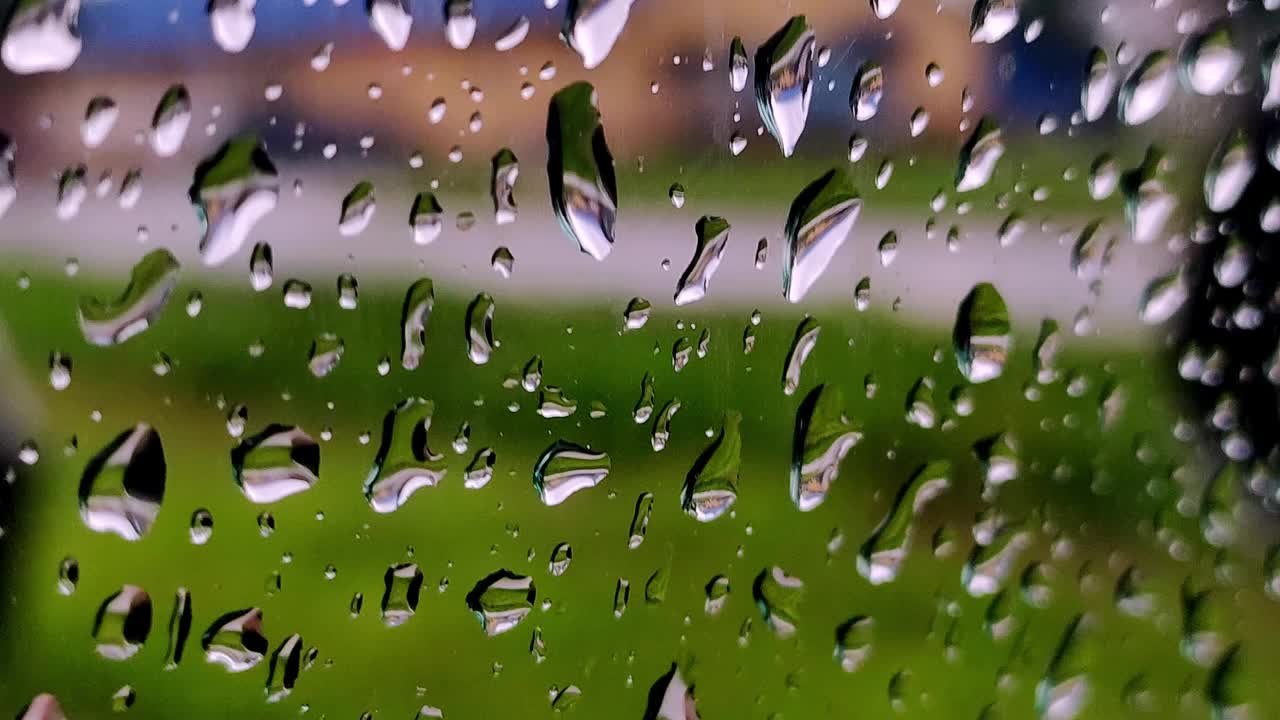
464 535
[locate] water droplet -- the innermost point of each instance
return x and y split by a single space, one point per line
640 520
784 81
279 461
405 462
979 156
501 601
1209 61
584 193
553 403
655 588
868 89
644 406
201 526
325 354
884 9
232 23
502 262
150 283
506 168
392 21
711 487
992 20
1229 171
681 351
419 299
636 314
231 191
880 558
981 337
99 117
1065 689
513 36
1148 89
592 28
737 65
1163 297
564 468
261 271
122 624
778 596
480 470
662 425
806 338
621 596
403 584
480 343
818 224
357 209
823 436
561 557
170 121
41 36
235 640
713 234
123 484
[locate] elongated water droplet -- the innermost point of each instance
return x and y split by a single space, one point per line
992 20
853 642
170 121
1209 61
426 218
179 628
8 163
402 586
201 529
123 484
72 190
99 117
261 270
357 209
713 234
419 299
992 559
325 354
868 89
621 597
823 436
231 191
513 36
884 9
662 425
392 21
564 468
671 698
459 23
640 520
778 596
717 594
1229 171
286 664
232 23
784 81
506 168
561 558
1163 297
480 470
644 406
235 640
68 576
1226 688
480 343
979 156
738 66
1099 85
280 461
501 601
981 336
1148 89
880 558
817 225
1065 690
122 624
1148 203
405 462
806 338
584 192
41 36
150 283
711 487
591 27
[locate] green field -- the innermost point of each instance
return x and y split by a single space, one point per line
442 658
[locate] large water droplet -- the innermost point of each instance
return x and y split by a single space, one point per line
584 193
405 462
979 156
853 642
123 484
357 209
144 298
232 190
1229 171
640 520
391 20
778 596
981 336
426 218
1148 88
480 343
41 36
179 628
806 338
402 585
501 601
868 89
459 23
992 20
235 640
99 117
232 23
564 468
823 436
880 558
713 235
818 224
784 81
1148 203
286 664
1065 689
1209 61
170 121
419 299
506 168
738 65
591 27
671 698
711 487
280 461
122 623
